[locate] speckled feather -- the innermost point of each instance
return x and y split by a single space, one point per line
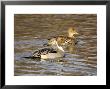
44 51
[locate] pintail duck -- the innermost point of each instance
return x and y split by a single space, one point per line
49 53
65 40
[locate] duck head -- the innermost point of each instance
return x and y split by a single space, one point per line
72 32
52 41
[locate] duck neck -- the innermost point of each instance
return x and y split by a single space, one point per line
70 35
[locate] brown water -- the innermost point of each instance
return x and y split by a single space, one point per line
31 33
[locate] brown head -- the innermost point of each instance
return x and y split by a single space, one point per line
72 32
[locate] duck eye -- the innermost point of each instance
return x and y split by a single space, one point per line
66 41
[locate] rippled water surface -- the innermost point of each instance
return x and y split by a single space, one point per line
31 33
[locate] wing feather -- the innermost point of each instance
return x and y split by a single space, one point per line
44 51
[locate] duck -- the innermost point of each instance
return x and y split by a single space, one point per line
65 40
55 51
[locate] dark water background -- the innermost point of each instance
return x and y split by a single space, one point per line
31 33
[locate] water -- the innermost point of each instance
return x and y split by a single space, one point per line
31 33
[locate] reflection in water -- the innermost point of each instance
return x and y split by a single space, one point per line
31 32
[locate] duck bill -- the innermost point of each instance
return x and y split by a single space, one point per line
76 33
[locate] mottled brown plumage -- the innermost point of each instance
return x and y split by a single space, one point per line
65 40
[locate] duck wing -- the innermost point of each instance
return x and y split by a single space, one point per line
43 51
